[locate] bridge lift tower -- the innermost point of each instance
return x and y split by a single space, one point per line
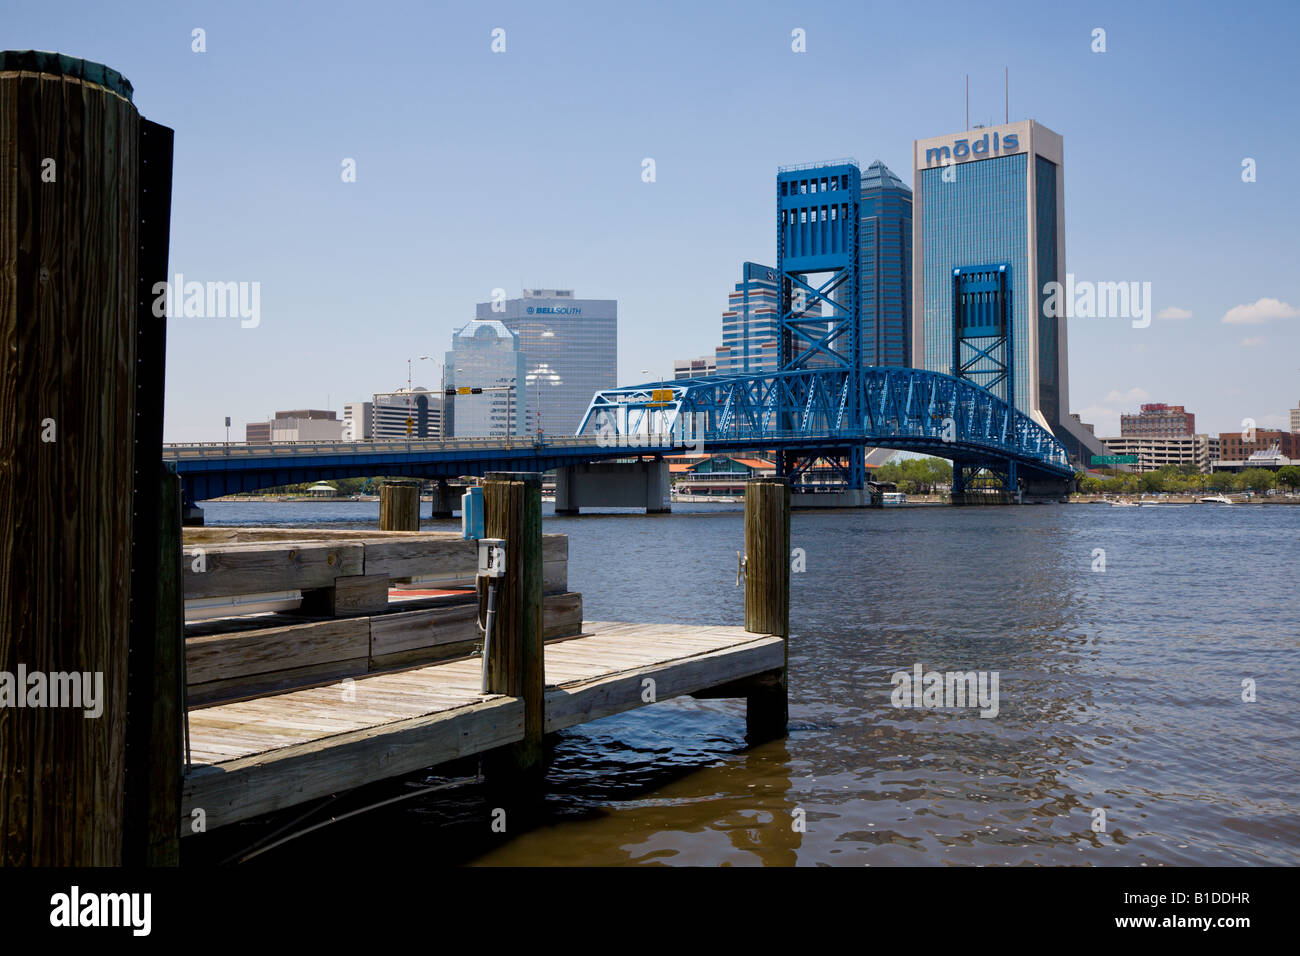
983 353
820 326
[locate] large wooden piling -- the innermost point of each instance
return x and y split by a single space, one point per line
399 506
767 598
512 510
76 256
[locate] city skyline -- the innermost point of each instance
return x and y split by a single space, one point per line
355 276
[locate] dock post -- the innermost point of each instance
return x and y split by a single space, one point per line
399 506
512 510
442 503
767 598
82 192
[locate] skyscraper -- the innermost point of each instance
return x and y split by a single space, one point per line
571 352
749 326
988 234
406 415
885 244
485 354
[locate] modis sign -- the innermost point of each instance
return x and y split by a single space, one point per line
964 149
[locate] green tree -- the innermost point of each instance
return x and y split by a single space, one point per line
1289 475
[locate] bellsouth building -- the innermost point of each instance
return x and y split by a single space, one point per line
988 232
570 348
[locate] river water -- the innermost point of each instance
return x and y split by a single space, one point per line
1120 690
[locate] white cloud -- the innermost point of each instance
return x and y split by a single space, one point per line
1265 310
1251 342
1173 312
1126 398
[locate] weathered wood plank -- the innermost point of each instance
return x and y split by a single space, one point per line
578 703
349 595
256 568
243 654
249 787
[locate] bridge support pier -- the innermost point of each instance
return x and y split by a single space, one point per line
613 484
442 500
191 513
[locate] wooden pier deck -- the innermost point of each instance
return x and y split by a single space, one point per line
257 756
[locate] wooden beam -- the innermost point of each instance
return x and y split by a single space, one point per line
767 596
399 506
253 786
223 571
349 596
512 510
68 360
578 703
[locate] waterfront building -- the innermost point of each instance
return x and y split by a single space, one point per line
694 368
299 424
413 414
1157 420
885 249
988 236
1154 453
358 421
716 475
1295 419
571 352
485 354
1238 446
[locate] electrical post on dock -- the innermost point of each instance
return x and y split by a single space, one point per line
492 566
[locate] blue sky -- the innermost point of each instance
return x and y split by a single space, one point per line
478 170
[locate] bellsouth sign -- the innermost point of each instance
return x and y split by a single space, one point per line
964 149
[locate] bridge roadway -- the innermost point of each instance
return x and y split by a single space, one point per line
210 470
833 411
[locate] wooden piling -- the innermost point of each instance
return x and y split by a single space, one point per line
160 845
399 506
512 510
767 598
70 238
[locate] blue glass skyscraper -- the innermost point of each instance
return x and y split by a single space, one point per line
988 235
885 246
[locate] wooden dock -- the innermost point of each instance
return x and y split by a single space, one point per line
364 672
257 756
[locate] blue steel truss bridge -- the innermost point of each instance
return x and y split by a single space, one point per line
809 416
802 413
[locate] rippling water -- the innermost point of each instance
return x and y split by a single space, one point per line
1119 690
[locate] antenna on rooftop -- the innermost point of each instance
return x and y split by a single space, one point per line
967 126
1006 86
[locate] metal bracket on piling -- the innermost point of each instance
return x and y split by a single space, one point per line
740 567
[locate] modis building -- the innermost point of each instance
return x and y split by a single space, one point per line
988 232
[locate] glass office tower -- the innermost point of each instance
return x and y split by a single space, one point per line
749 326
885 249
993 197
571 351
485 354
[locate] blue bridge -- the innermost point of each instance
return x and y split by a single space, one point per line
801 414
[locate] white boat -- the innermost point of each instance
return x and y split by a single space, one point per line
891 498
1123 504
1215 500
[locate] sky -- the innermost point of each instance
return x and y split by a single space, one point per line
477 170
